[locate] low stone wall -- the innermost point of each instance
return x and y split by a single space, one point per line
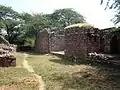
7 60
9 48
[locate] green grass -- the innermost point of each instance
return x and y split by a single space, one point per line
20 58
17 77
61 74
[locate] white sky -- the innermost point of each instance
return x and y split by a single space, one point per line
91 9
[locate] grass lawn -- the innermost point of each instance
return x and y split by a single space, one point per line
17 78
58 73
61 74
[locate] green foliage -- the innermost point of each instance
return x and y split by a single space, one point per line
22 28
29 41
62 74
34 23
57 20
116 6
2 25
10 20
6 12
65 17
26 17
3 40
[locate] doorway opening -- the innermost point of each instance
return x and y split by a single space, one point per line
114 45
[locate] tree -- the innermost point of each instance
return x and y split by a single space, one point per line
24 27
114 4
34 23
10 19
65 17
52 22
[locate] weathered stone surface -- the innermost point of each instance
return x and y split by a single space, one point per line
56 42
81 41
47 42
110 39
42 42
8 48
6 59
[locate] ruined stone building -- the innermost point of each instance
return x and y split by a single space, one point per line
6 57
48 42
79 40
110 40
42 42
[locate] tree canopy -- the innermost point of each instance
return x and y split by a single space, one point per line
65 17
23 27
9 19
113 4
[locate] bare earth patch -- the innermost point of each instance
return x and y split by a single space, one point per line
28 80
30 69
17 78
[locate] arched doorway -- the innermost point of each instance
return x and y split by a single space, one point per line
114 45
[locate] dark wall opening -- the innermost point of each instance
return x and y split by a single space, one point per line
102 45
114 49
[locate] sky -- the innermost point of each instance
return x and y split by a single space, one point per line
93 12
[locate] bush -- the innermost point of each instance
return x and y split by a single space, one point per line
29 41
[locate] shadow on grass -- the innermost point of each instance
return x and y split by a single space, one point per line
103 78
62 61
85 61
106 77
100 79
84 81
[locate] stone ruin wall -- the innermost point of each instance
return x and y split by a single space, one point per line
81 41
42 42
107 36
75 42
6 58
93 40
47 42
56 42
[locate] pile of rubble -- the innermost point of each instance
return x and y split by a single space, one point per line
100 56
6 58
112 60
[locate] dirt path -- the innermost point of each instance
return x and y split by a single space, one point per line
30 69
